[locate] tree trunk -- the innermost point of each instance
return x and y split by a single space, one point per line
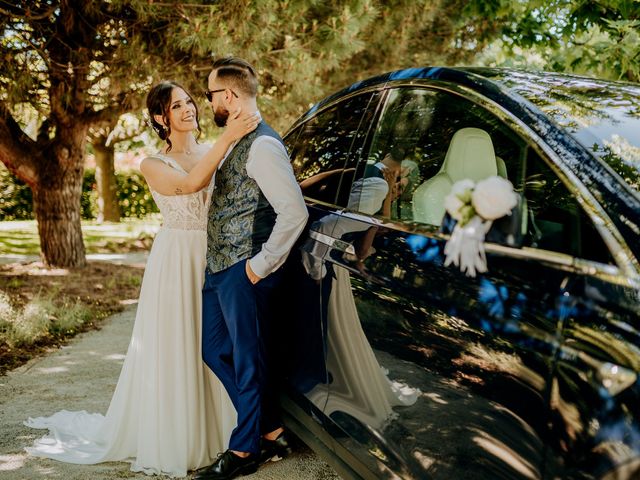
108 208
58 216
56 201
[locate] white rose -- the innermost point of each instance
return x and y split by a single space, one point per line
493 198
462 189
453 205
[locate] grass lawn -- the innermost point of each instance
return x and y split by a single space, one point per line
41 307
21 237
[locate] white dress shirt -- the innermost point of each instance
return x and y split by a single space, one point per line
368 194
269 165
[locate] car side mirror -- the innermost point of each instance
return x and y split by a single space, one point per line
509 230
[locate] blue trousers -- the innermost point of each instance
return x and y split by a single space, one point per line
236 318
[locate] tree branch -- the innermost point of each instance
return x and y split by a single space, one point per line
14 11
106 114
17 151
124 102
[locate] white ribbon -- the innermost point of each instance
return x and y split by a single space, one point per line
465 247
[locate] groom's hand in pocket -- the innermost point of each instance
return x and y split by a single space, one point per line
253 278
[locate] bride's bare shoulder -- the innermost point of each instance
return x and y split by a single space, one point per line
151 161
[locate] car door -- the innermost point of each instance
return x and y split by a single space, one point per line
434 374
322 151
595 392
592 401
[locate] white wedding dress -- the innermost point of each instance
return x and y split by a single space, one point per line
169 413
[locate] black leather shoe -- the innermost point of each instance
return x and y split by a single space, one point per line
274 450
228 466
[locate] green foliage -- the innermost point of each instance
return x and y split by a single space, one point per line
134 197
303 49
16 199
88 199
306 49
599 38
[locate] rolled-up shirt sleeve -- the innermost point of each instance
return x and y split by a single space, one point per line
269 165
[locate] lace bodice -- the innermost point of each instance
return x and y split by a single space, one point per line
183 212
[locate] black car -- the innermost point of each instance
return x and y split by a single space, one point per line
398 366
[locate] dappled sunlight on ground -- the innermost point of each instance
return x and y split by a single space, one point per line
139 258
12 462
128 301
115 356
130 235
434 397
22 466
38 268
53 370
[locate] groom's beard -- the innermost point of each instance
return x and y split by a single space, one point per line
220 116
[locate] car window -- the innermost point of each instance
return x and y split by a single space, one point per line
325 149
430 139
555 220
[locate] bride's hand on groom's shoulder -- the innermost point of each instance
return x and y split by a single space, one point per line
239 124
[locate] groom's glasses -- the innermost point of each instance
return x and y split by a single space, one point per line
209 93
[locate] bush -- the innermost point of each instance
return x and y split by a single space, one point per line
15 197
44 316
134 197
89 196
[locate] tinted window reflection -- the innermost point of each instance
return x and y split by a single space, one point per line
555 220
431 139
604 117
427 140
326 146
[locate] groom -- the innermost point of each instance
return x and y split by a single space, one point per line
257 212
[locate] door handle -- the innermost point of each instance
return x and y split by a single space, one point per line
332 242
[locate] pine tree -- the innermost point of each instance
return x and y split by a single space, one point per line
81 64
69 61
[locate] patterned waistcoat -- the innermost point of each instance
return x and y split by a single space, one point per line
240 217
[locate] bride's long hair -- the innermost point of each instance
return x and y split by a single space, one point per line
159 102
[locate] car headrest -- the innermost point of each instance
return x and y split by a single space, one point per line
470 155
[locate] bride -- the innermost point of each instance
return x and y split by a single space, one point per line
169 413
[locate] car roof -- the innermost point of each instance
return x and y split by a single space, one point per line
481 79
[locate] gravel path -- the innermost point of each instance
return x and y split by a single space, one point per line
82 376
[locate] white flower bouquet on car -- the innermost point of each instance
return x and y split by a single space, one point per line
475 206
